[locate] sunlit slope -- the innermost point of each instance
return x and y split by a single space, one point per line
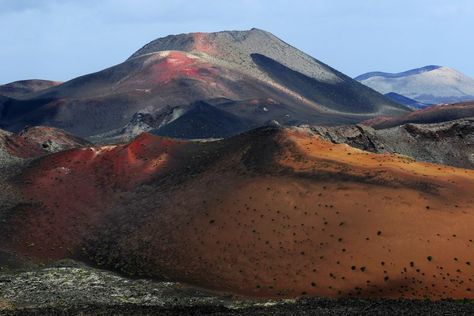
273 212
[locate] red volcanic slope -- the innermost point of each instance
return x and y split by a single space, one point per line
173 65
202 43
38 141
83 183
433 114
177 71
107 100
268 213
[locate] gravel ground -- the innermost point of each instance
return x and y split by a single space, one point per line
75 289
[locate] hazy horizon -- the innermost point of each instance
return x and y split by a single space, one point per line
60 40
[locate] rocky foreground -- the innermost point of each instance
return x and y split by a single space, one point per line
69 288
449 143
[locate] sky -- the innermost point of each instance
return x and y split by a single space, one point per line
63 39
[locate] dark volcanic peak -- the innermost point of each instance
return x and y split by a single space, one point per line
406 101
193 41
397 75
235 47
176 71
22 88
203 120
345 96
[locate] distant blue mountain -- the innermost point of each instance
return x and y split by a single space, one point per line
400 99
397 75
425 85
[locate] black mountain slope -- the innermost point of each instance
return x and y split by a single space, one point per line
204 121
241 66
406 101
346 96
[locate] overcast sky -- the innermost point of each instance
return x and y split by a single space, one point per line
62 39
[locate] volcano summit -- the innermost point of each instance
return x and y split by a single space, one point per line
252 75
216 171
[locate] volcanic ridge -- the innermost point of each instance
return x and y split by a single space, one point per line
230 167
270 213
281 83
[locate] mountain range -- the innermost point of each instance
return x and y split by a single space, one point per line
252 75
234 163
422 87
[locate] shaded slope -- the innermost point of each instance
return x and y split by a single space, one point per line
406 101
179 70
238 49
345 96
235 49
268 213
433 114
204 121
89 105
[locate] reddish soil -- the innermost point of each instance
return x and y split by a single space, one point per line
171 66
203 44
75 188
271 213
